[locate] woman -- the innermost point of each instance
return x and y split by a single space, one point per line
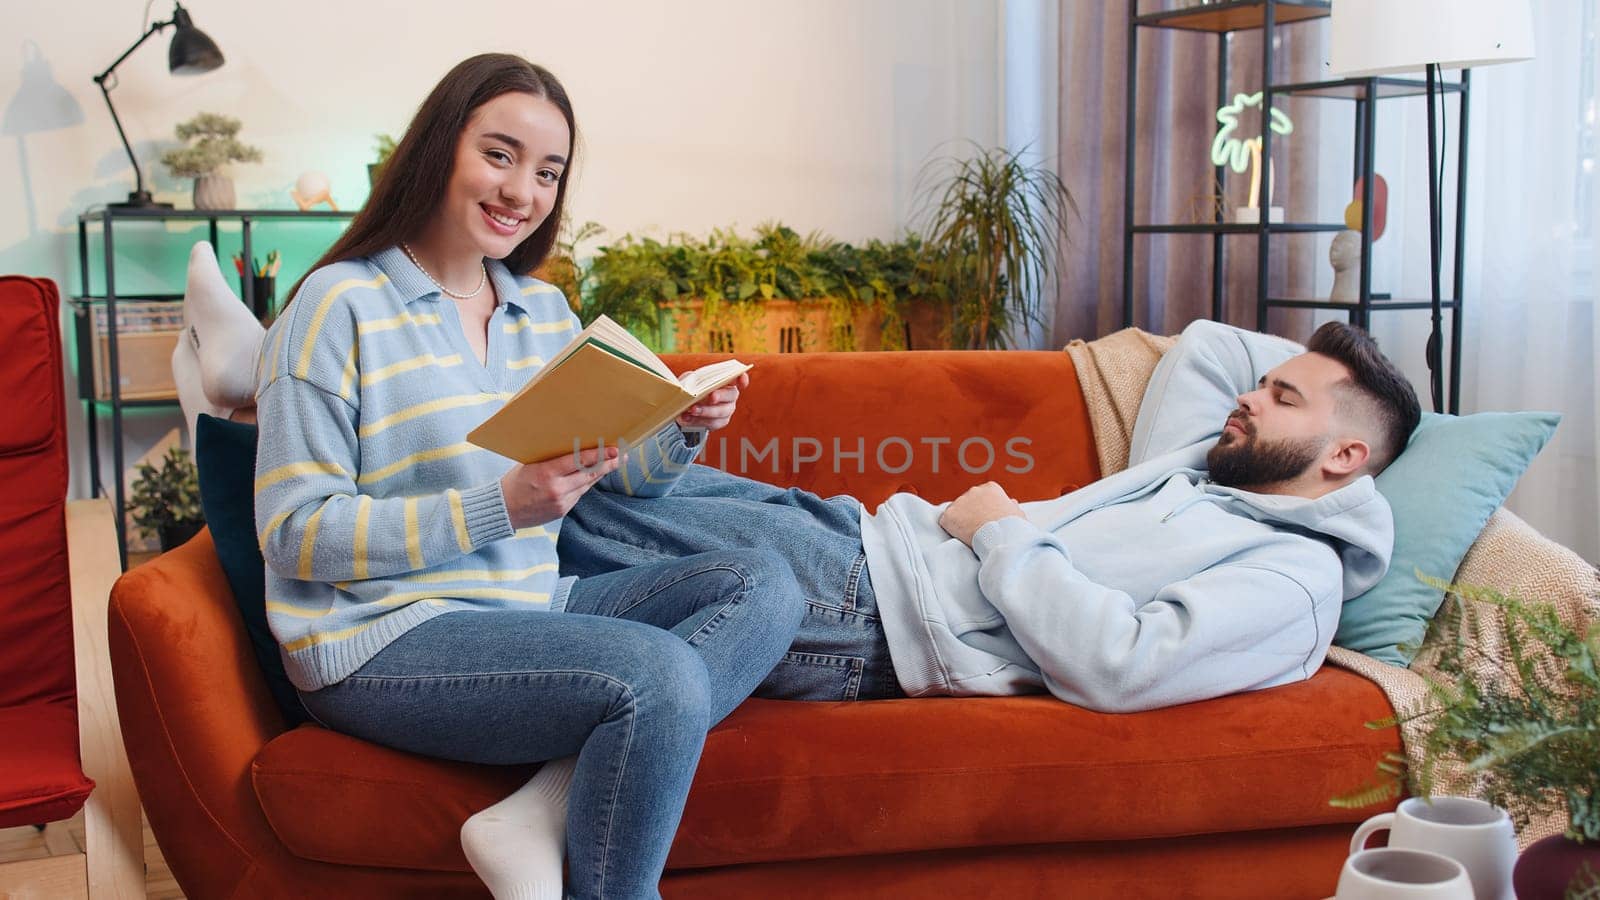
412 577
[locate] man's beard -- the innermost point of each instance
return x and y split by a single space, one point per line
1248 462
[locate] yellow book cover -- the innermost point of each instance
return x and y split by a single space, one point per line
603 387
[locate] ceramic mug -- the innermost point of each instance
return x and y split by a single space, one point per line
1393 873
1474 833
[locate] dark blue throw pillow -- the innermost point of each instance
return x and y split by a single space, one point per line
225 455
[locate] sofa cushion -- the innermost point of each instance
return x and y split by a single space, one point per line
784 780
1455 472
40 777
225 456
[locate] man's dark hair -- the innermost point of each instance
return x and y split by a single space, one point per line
1376 391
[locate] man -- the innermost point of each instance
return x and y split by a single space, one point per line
1216 563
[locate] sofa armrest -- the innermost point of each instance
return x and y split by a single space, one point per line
113 833
195 712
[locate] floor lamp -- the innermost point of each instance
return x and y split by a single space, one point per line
1388 37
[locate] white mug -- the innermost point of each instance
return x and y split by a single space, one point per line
1392 873
1474 833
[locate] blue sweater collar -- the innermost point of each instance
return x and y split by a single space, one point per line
413 285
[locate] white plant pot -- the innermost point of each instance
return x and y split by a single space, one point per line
213 192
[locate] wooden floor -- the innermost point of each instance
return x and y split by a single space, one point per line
66 838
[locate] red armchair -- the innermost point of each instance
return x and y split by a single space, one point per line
58 560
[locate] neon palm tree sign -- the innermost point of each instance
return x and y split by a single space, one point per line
1238 154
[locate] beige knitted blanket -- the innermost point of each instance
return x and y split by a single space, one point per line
1509 555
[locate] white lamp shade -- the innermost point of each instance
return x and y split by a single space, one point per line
1384 37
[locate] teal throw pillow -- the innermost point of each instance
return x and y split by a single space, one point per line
225 456
1455 472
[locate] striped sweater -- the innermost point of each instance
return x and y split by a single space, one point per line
373 512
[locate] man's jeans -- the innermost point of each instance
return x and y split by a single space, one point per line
632 674
840 652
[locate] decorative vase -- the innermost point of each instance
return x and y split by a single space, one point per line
1547 869
213 192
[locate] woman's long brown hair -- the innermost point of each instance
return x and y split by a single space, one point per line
413 181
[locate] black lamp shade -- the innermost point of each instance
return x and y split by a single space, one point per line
192 51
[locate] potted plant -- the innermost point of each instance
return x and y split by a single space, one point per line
1516 704
993 224
777 291
215 144
385 149
166 501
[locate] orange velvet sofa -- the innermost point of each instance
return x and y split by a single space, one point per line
983 797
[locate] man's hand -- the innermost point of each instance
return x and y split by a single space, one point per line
976 508
716 408
541 492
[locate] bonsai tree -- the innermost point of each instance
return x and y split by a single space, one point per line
215 144
994 224
166 500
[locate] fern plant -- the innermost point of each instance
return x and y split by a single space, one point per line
1533 733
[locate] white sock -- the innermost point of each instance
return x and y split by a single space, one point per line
186 374
516 845
227 337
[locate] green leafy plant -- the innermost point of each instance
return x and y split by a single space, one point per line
166 500
384 148
994 224
1532 732
628 279
215 144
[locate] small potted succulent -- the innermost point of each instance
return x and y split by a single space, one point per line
215 143
166 500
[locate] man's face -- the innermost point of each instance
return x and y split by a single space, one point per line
1281 429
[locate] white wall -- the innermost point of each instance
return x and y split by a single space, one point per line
693 115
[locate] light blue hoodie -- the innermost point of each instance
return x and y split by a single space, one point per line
1149 588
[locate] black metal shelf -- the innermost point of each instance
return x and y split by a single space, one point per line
106 219
1222 19
1238 228
1237 15
1383 88
1285 303
88 299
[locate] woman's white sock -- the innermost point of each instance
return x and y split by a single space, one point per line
226 336
186 375
516 845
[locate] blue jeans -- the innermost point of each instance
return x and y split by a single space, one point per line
840 652
642 662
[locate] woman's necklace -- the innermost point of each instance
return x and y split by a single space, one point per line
483 277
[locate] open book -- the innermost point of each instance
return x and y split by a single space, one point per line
604 386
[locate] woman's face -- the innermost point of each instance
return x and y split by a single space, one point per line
509 162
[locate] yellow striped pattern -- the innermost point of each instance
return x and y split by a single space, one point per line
525 362
458 517
323 637
296 470
526 324
423 456
540 287
485 593
299 612
363 522
347 381
374 326
320 316
406 365
422 409
277 351
478 575
272 525
308 541
413 535
535 531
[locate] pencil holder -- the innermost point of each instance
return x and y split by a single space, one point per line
262 295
